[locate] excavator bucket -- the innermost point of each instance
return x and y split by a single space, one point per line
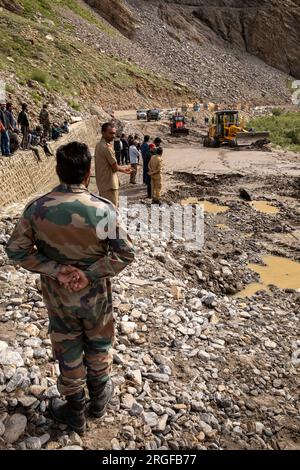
252 138
180 131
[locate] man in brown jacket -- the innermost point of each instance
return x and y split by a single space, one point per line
106 165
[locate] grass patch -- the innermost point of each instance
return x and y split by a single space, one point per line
39 76
284 129
74 104
9 89
36 98
49 9
67 65
31 8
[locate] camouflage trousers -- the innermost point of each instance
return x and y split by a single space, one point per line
81 335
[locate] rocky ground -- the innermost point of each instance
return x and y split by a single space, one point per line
194 366
170 36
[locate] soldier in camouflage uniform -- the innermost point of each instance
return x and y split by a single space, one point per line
60 236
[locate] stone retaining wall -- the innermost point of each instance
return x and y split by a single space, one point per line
23 175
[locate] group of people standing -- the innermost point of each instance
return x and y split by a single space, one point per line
122 147
114 154
16 132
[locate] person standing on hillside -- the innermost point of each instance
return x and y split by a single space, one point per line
45 121
106 165
4 135
58 236
23 122
11 117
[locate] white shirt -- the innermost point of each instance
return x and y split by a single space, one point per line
134 155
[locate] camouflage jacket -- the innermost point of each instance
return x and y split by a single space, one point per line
63 228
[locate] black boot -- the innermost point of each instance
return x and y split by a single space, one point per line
70 412
100 395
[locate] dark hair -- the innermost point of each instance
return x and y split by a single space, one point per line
123 135
146 138
106 125
159 151
8 105
157 141
24 106
73 161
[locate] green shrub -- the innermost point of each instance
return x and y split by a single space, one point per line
277 111
9 89
284 129
39 76
294 136
75 105
36 98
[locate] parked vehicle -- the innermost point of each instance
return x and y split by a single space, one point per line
141 114
153 115
178 125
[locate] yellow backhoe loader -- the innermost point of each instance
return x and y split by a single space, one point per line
226 128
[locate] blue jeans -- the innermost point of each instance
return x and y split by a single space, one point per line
5 147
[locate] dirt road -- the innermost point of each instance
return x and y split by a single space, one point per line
188 154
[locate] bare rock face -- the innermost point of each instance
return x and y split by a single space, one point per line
11 5
268 29
116 13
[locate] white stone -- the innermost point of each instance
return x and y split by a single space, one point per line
127 327
32 330
270 344
52 392
162 422
151 419
259 427
205 356
72 448
9 357
3 346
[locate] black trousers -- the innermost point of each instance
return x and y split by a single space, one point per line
125 156
118 156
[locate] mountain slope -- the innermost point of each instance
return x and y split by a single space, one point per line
62 52
130 53
193 53
268 29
